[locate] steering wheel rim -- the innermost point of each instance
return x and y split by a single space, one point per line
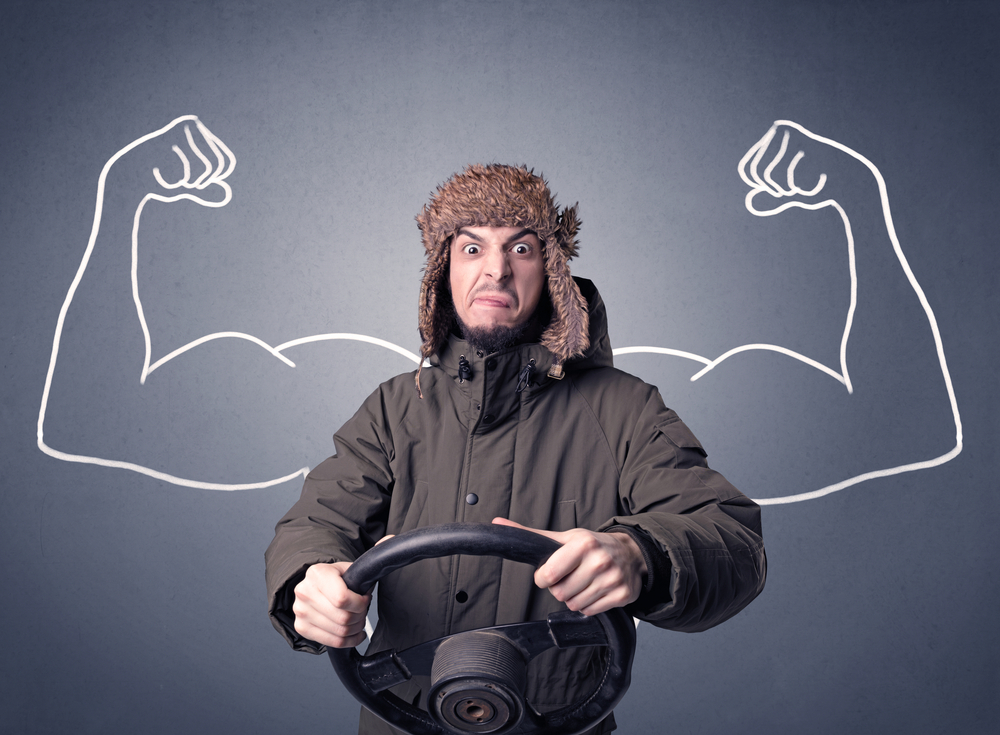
368 678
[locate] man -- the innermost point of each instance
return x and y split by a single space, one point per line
520 419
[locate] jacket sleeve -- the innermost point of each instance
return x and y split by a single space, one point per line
341 513
708 530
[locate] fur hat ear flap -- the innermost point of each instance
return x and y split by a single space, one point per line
568 334
434 316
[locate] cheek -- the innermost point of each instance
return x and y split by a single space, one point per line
531 292
459 284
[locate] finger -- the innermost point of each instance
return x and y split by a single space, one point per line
221 150
327 625
342 598
180 182
507 522
610 581
570 585
602 604
821 182
335 637
747 162
563 562
336 641
384 538
325 581
315 617
213 145
311 604
307 615
752 159
588 571
782 149
197 183
554 535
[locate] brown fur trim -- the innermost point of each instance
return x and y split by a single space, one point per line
496 195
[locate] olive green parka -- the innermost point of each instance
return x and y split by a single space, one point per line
595 449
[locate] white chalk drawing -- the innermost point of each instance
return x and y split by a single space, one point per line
218 163
763 183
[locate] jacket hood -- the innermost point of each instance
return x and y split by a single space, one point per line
496 195
598 353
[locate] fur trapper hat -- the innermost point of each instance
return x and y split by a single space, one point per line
496 195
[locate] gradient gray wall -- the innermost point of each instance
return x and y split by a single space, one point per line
135 604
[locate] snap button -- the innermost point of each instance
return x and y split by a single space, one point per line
471 498
491 363
462 596
489 418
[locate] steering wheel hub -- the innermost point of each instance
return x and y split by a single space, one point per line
477 683
475 706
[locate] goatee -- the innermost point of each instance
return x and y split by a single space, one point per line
497 338
494 339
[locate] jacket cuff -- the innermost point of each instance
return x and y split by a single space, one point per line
282 616
656 590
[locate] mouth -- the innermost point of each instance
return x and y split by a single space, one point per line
493 300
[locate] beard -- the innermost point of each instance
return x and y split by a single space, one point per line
493 339
500 337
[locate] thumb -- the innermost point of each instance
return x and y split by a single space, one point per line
554 535
763 203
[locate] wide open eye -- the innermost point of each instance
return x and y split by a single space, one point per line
471 248
522 248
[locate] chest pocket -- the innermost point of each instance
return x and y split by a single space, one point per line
564 516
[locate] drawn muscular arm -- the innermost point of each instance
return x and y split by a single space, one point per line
892 362
879 399
102 401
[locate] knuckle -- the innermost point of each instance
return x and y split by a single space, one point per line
302 607
340 631
618 597
340 598
544 577
603 563
303 627
338 595
587 541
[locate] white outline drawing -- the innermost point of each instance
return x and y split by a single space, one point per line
215 174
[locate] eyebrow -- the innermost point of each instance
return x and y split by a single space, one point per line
516 236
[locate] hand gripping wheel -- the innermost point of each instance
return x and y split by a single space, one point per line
478 677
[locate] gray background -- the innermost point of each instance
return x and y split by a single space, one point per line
135 605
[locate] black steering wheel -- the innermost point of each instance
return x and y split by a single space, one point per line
478 677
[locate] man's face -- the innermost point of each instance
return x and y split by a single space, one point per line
497 275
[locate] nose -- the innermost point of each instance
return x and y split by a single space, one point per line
497 264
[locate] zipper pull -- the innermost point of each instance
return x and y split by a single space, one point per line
525 377
464 370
